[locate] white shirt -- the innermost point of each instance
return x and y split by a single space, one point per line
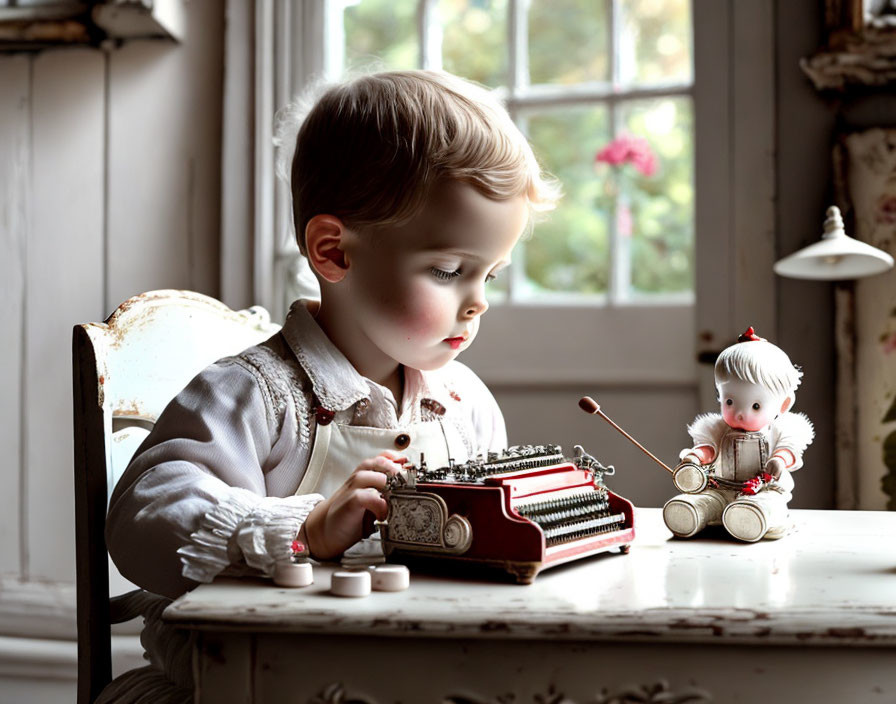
212 486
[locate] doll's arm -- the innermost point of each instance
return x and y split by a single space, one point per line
706 432
782 459
791 434
701 454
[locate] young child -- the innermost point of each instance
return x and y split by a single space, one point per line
753 446
410 189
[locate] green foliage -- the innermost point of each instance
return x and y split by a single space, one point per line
657 35
568 41
474 39
888 482
570 251
891 413
663 205
888 448
383 33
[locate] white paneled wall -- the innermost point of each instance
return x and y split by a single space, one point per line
14 191
109 186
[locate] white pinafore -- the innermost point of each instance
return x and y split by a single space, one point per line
339 448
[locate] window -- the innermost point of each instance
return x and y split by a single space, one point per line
574 74
618 253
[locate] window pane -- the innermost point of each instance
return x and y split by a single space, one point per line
660 220
474 39
656 41
569 251
568 41
381 32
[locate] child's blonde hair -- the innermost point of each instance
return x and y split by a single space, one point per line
759 362
370 149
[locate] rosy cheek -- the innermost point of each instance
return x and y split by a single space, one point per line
761 419
728 414
420 316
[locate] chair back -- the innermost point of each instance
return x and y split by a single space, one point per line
126 370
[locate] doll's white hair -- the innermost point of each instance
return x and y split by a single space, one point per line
759 362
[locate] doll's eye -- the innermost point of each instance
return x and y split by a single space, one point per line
729 402
756 406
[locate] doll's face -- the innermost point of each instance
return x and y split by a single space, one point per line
418 289
747 406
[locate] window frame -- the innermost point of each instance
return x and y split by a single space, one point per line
624 344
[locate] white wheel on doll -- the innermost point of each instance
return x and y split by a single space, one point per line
682 518
745 521
689 478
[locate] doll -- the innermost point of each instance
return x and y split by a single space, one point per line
738 472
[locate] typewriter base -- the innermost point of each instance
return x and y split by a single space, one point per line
505 570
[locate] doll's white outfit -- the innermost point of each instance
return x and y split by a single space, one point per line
239 458
740 456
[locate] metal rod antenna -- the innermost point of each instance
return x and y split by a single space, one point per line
589 405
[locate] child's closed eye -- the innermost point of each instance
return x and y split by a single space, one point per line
444 275
447 275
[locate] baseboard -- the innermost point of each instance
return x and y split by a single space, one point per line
33 609
27 658
22 657
38 639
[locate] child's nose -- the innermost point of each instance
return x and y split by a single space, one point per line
475 306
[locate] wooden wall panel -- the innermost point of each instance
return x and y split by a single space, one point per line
164 167
64 284
15 162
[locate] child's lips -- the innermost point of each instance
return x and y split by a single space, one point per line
455 342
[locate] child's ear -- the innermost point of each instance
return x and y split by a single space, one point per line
324 236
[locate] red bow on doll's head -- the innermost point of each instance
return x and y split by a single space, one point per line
749 335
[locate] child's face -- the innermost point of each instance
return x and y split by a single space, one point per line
747 406
418 290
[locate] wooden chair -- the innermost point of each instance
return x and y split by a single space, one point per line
126 370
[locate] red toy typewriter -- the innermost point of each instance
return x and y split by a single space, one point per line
522 510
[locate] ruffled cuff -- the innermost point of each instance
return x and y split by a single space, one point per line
263 529
206 554
265 535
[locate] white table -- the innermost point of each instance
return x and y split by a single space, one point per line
809 618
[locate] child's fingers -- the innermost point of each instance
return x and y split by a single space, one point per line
373 502
379 464
367 479
388 454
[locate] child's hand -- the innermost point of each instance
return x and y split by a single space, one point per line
334 525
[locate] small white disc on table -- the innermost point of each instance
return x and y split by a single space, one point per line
289 574
347 583
391 578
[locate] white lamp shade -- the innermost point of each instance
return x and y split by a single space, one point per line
837 256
